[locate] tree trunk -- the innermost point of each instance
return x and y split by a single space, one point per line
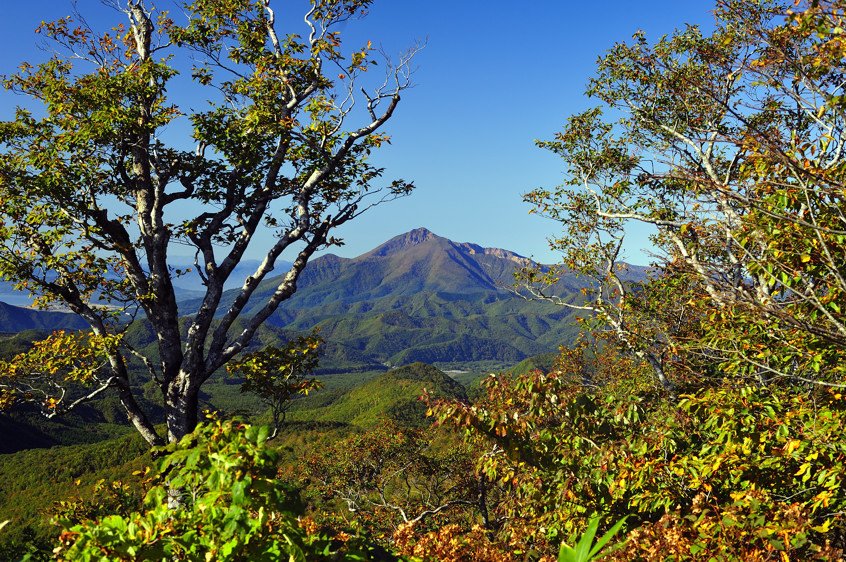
181 404
658 369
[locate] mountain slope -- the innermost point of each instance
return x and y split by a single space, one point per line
405 265
421 297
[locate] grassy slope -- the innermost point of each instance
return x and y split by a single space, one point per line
393 394
543 362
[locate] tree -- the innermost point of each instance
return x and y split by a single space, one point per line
731 147
542 431
93 195
278 375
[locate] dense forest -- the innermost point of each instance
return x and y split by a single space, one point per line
696 411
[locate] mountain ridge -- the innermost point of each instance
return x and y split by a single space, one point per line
422 297
406 264
421 235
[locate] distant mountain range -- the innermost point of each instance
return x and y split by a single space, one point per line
188 285
417 297
14 319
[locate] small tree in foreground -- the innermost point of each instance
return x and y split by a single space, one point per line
234 509
394 476
93 195
278 375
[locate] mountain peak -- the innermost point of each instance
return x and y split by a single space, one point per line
404 241
418 235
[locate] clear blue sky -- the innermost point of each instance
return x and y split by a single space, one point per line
495 76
